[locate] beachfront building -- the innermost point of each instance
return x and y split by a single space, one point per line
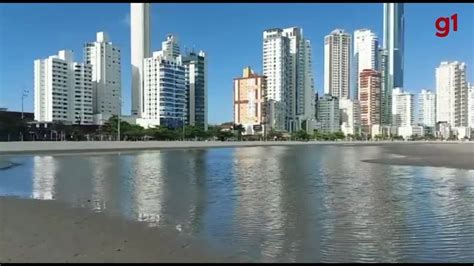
104 57
63 90
249 102
287 67
471 107
365 55
195 65
337 46
452 94
164 96
328 114
427 108
369 99
350 116
403 107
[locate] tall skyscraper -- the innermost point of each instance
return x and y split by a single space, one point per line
140 49
452 94
403 108
427 108
276 64
288 67
249 101
385 95
369 99
63 89
337 46
106 77
164 97
393 44
365 55
196 88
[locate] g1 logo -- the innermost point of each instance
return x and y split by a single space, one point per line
442 25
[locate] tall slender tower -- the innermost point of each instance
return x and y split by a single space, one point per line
393 44
337 47
140 48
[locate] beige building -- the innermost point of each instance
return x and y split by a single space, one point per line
369 98
249 101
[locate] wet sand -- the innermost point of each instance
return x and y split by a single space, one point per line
50 231
103 146
451 155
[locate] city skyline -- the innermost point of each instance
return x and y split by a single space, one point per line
223 68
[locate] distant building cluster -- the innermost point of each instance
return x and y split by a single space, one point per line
285 99
168 88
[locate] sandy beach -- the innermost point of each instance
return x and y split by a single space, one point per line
50 231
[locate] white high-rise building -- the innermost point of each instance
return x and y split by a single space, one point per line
403 107
83 96
337 47
106 76
290 85
365 55
63 89
276 62
165 90
427 108
140 49
471 107
452 94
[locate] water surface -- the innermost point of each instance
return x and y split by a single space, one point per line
315 203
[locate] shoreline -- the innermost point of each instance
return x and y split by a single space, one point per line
51 231
30 147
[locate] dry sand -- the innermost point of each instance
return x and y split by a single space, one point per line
50 231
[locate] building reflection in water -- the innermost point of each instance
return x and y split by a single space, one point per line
260 212
148 186
44 177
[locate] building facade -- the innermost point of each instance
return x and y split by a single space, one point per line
105 59
290 85
471 107
337 47
140 49
249 102
328 114
276 62
165 91
350 116
369 99
83 94
427 108
365 55
394 43
196 88
403 107
452 94
63 90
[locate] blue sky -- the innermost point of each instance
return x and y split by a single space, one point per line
230 34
